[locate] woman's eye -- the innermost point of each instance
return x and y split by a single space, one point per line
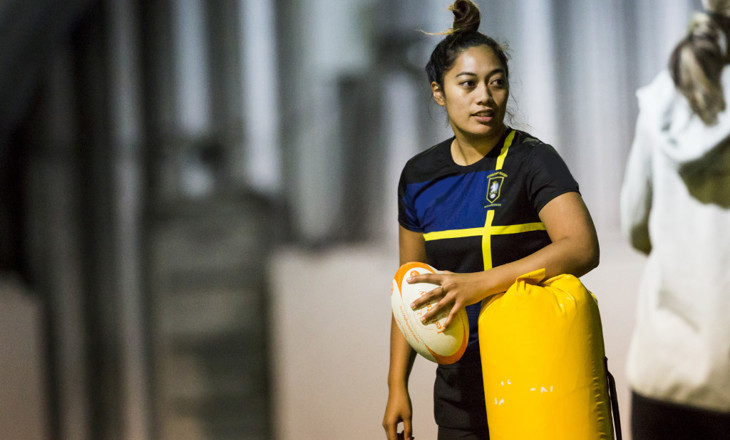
468 83
499 82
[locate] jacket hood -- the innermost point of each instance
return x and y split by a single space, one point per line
684 138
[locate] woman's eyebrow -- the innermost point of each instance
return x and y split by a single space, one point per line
497 70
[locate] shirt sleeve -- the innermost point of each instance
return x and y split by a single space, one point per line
406 210
548 176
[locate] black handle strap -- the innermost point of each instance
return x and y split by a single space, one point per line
614 402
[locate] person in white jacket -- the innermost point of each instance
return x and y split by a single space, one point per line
675 207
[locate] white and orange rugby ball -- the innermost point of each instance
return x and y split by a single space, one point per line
433 341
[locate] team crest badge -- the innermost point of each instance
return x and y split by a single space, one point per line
494 186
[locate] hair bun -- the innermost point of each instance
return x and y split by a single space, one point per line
721 7
466 16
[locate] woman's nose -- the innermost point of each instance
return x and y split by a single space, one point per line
485 95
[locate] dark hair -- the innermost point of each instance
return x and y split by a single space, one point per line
463 35
697 62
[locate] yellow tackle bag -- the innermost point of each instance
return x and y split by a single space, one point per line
543 362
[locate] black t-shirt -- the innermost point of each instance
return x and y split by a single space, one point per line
482 215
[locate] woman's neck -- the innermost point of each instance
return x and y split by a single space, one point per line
466 150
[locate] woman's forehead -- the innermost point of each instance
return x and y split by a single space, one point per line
476 60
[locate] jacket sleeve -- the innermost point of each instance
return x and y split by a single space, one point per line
636 192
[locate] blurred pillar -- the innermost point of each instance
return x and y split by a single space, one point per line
321 41
102 234
537 87
401 114
211 223
225 58
53 246
408 120
128 198
259 92
84 229
190 61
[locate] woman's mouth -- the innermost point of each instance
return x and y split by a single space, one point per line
484 116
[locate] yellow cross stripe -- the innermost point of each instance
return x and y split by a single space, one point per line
516 229
488 230
476 232
454 233
505 148
487 237
487 240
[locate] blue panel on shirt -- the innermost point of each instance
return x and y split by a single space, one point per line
451 202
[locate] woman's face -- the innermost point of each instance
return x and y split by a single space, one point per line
475 92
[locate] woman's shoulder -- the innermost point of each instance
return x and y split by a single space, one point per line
528 144
537 158
427 162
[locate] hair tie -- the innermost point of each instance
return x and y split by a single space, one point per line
706 19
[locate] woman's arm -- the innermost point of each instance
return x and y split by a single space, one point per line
636 191
411 248
574 250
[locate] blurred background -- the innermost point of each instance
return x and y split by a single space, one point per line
197 200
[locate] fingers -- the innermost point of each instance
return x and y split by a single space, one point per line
407 429
440 300
451 315
435 308
432 278
428 297
390 430
391 421
438 311
390 433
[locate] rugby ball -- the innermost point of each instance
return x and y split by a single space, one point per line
434 341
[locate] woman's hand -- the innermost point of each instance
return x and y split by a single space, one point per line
398 410
454 292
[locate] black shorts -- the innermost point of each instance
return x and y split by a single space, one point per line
459 407
653 419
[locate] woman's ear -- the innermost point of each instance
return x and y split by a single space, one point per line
438 94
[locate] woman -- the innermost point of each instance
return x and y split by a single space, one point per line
675 207
488 205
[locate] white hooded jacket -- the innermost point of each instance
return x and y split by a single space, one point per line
675 206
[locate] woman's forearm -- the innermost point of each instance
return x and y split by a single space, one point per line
567 256
402 357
